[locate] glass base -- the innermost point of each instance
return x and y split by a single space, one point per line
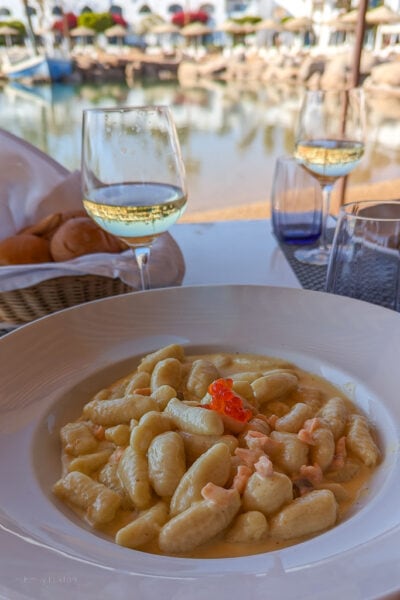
316 256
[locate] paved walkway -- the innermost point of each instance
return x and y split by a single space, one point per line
381 190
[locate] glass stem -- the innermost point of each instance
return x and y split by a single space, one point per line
326 201
142 254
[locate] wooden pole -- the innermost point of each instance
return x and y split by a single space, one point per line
31 33
359 43
355 73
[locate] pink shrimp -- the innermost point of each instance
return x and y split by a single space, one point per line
217 494
306 437
264 467
312 472
306 433
249 457
256 440
240 480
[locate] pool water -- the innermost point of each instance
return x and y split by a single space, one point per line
230 134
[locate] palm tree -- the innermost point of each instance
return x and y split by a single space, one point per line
344 4
31 33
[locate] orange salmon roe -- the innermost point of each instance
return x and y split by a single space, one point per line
225 401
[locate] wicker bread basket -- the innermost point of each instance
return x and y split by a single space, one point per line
26 304
28 173
35 185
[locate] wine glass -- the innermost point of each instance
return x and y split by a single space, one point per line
364 262
329 144
133 176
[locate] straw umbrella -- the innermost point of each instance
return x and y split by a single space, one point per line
82 32
231 27
350 17
382 15
165 31
236 30
8 32
298 24
338 25
268 25
116 31
195 31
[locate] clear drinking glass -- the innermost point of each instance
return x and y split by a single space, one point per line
296 201
365 255
329 144
133 176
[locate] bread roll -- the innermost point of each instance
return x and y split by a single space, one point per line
45 227
72 214
23 249
79 236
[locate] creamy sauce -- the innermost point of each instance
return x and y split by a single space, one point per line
232 364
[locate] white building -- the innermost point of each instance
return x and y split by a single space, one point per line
134 10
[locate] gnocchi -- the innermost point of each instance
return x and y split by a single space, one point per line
215 455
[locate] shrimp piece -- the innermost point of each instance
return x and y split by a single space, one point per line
217 494
312 472
249 457
306 433
306 437
257 440
201 521
241 478
313 424
264 467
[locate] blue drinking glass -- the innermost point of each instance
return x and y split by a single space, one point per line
296 201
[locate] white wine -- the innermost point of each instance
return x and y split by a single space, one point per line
136 212
328 160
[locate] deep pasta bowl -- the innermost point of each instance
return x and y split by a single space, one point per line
51 367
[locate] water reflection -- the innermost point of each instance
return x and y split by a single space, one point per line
230 135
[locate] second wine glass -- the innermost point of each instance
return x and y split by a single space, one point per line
329 144
133 176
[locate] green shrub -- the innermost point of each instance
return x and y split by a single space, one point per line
248 20
17 39
97 21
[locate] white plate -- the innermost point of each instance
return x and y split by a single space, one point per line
47 371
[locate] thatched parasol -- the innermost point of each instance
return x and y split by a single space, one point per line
233 28
382 15
297 24
8 32
268 25
116 31
82 32
350 17
165 29
195 30
338 25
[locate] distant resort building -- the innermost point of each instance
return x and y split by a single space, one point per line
134 10
44 13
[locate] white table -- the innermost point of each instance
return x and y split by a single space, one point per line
233 252
229 252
